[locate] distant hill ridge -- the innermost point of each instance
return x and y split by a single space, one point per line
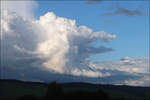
70 83
11 89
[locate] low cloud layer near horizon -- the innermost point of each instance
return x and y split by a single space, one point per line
33 49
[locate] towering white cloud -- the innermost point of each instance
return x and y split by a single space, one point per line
62 46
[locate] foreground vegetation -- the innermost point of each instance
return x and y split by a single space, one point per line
17 90
55 92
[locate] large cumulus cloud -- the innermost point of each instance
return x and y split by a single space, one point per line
59 45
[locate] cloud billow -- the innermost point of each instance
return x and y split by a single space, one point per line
62 46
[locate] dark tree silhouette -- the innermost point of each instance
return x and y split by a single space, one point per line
28 97
54 91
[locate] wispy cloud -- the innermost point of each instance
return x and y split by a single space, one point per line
93 1
119 10
125 11
27 7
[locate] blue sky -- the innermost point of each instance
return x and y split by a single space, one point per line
132 31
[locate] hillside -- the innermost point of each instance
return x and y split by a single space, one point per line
15 89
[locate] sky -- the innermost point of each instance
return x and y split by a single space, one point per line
103 42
